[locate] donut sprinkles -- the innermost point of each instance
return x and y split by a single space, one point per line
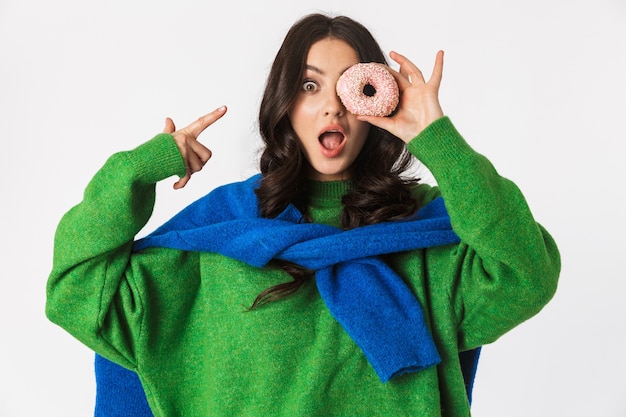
368 89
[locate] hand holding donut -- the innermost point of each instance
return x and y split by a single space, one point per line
419 99
193 152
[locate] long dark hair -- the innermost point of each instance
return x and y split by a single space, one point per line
379 192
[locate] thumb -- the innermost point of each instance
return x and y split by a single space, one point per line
182 182
169 126
385 123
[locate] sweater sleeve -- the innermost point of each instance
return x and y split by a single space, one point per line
506 267
89 292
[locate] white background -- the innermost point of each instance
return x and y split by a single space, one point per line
537 86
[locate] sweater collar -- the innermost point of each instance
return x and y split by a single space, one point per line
327 193
324 200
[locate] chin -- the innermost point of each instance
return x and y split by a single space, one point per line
329 175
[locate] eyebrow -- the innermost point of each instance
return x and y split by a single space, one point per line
314 69
319 71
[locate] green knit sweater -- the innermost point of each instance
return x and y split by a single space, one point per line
179 318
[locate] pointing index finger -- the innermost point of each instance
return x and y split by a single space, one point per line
205 121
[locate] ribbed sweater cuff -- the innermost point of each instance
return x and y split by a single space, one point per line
440 146
157 159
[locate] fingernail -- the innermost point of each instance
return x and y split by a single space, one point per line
221 109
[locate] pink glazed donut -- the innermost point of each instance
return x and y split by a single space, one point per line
368 89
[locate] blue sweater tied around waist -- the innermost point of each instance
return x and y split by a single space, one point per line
393 335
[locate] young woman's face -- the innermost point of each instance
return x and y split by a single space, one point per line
331 136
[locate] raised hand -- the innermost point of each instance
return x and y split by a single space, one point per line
193 152
419 99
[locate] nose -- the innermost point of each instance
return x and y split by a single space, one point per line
333 104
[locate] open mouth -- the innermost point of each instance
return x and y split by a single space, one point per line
331 140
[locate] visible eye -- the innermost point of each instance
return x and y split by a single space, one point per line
309 86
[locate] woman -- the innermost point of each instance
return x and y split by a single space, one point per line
213 325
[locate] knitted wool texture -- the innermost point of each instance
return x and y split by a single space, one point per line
172 317
390 329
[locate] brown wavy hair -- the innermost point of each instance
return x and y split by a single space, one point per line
379 191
